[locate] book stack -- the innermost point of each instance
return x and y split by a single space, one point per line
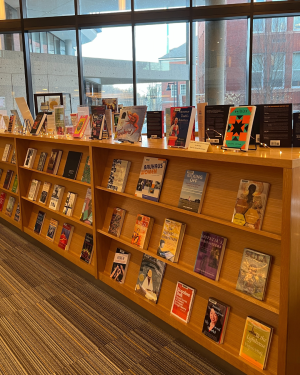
171 240
142 231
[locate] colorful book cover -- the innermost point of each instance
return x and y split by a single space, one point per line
65 236
81 126
210 255
17 213
6 152
151 178
87 213
87 249
140 230
38 123
110 103
45 192
10 206
182 125
130 123
251 203
56 197
14 188
59 113
253 275
42 160
215 321
239 127
98 115
170 240
183 302
118 175
116 222
256 342
54 161
86 176
2 200
120 266
8 178
52 230
11 123
150 278
193 190
70 204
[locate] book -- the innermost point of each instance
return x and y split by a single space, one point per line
1 172
17 213
87 213
52 230
171 240
70 204
215 321
86 176
74 119
11 123
30 157
6 152
8 178
18 122
38 123
116 223
183 302
87 248
56 197
155 124
39 222
120 266
15 186
251 204
130 123
34 189
72 165
2 200
42 161
296 129
210 255
215 123
254 273
201 120
182 125
10 206
98 118
45 192
6 122
239 127
25 111
150 278
168 122
118 175
151 178
256 342
81 126
193 190
108 124
66 236
59 115
13 158
142 231
111 103
54 161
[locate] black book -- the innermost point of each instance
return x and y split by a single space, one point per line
39 222
8 178
215 123
155 124
296 129
72 164
87 248
42 160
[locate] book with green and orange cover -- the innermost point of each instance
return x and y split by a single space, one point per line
81 126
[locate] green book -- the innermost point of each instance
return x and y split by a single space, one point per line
15 185
86 176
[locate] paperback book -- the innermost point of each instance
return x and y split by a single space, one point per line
183 302
17 213
39 222
54 161
118 175
10 206
110 103
81 126
11 123
1 172
130 123
70 204
6 152
59 115
171 240
8 178
42 161
66 236
13 158
52 230
45 192
98 118
86 176
87 248
30 157
120 266
215 321
150 278
116 222
142 231
182 125
56 197
2 200
34 189
38 123
87 213
15 186
72 165
155 124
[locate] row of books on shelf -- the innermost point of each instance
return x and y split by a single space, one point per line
257 335
6 154
65 237
8 179
10 206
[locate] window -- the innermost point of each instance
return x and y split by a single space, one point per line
258 25
159 4
104 6
296 70
9 9
217 2
297 23
173 90
279 24
183 89
257 71
46 8
277 70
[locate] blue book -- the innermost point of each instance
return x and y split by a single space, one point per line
182 123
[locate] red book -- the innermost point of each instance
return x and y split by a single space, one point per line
183 302
2 200
66 236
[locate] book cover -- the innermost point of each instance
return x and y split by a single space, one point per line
17 213
155 124
59 115
13 158
33 190
118 175
182 124
130 123
193 190
14 188
10 206
140 231
86 176
42 161
87 248
81 126
239 127
111 103
183 302
210 255
98 115
256 342
151 178
72 165
8 178
215 123
30 157
87 213
116 222
52 230
18 122
39 222
25 111
170 240
120 266
2 200
45 192
215 320
1 172
254 272
11 124
251 204
38 123
54 161
56 197
70 204
150 278
6 152
65 236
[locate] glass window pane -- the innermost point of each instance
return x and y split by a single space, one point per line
9 9
279 24
160 4
12 78
297 23
46 8
296 70
217 2
258 25
107 70
54 73
103 6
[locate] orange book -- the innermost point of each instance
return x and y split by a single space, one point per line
81 126
142 231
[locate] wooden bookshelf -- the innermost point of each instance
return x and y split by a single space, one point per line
279 236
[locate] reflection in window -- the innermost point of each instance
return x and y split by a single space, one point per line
277 69
160 4
296 70
9 9
297 23
104 6
257 71
217 2
46 8
279 24
259 25
183 89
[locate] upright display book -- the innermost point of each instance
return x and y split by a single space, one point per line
45 192
116 222
183 302
296 129
151 178
111 103
6 152
120 266
251 203
215 123
239 127
38 123
15 186
17 213
210 255
34 189
81 126
142 231
52 230
66 236
72 165
254 273
39 222
6 122
13 158
118 175
150 278
155 124
2 200
87 212
8 178
193 190
70 204
56 198
98 117
215 321
25 111
42 161
11 123
59 115
182 125
86 176
171 240
18 120
256 342
130 123
30 157
10 206
54 161
87 248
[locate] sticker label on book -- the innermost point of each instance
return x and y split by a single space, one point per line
274 143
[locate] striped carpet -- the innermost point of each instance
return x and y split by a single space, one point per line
54 322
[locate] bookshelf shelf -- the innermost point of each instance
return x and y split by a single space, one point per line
9 192
12 165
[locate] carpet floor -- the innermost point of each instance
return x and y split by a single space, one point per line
52 321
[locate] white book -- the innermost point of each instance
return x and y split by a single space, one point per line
56 198
6 152
45 192
30 157
34 189
70 204
118 175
